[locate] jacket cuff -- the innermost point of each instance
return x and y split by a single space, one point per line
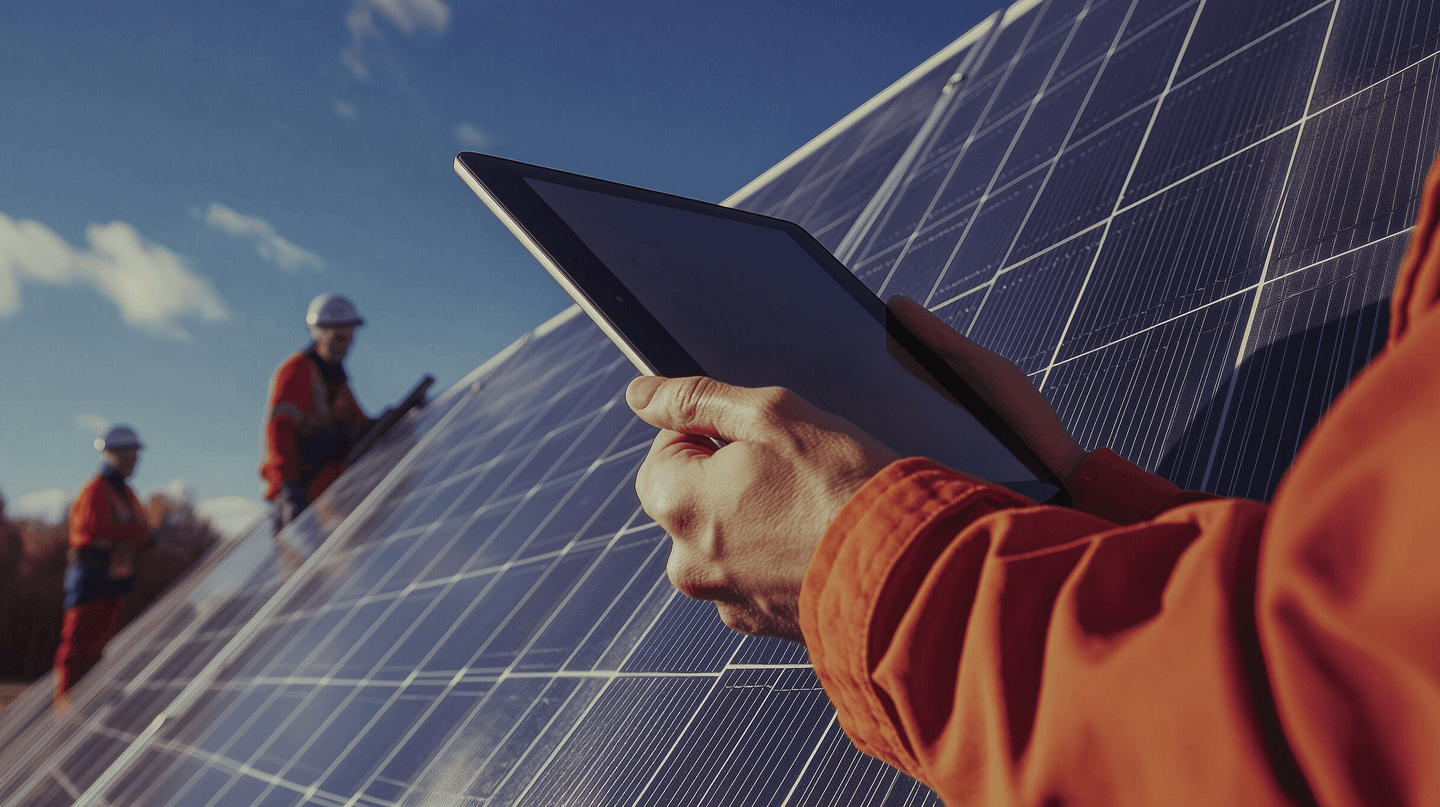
841 596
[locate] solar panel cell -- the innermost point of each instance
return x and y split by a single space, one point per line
1135 73
1196 243
1045 131
1093 39
1250 95
1373 40
1022 314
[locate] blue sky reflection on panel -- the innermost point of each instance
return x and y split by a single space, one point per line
178 179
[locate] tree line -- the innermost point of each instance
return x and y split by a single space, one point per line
32 571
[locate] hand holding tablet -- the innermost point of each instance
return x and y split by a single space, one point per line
686 288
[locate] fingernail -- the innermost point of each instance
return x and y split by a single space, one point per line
641 390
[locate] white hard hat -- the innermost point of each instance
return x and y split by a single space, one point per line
118 437
332 311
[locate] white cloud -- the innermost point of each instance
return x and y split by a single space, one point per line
233 516
92 423
150 284
469 136
271 246
366 37
47 506
344 109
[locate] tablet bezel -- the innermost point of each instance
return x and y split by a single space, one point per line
500 184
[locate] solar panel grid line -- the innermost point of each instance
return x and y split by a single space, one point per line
810 761
635 579
461 759
33 751
483 507
1269 257
1255 438
879 202
837 174
571 592
636 624
741 742
991 186
970 137
1328 220
319 731
785 719
191 692
1255 48
680 738
414 728
1199 7
573 735
39 752
999 169
224 764
802 729
826 137
979 84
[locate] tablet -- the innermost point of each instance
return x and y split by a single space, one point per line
685 287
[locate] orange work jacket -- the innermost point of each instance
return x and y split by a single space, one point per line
107 527
307 431
102 517
1152 646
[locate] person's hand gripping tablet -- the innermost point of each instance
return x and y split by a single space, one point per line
746 518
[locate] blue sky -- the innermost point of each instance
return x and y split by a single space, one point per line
179 179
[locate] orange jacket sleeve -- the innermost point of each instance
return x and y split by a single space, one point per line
1150 647
291 394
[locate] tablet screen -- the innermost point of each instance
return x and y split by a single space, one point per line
754 308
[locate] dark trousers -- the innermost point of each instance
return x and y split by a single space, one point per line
88 627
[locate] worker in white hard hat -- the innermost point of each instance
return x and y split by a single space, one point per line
312 419
107 528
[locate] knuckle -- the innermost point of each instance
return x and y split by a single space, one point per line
664 504
774 403
688 396
685 576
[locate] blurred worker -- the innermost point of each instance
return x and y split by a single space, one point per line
312 419
107 527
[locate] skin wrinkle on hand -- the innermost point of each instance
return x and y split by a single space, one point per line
746 517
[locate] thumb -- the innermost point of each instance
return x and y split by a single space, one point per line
695 405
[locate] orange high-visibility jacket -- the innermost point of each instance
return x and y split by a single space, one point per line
306 433
107 527
1153 646
103 517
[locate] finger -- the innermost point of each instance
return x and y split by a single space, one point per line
700 406
950 344
673 446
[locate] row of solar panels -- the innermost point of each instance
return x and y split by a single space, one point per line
1182 218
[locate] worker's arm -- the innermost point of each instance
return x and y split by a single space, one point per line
1007 653
89 513
290 398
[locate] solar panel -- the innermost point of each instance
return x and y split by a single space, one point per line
1180 218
